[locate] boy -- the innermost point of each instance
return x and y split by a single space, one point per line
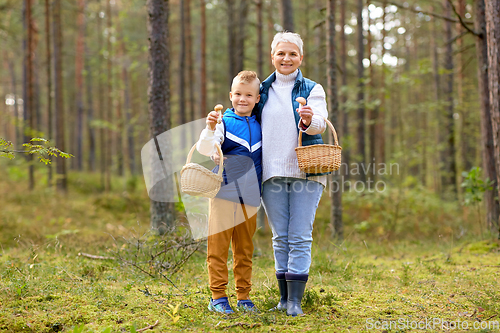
232 213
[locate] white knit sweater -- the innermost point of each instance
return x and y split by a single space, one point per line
279 129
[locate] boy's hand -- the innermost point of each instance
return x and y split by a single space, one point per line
212 120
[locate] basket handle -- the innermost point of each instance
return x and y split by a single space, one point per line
331 128
221 162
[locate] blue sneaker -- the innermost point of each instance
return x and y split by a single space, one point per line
247 305
220 305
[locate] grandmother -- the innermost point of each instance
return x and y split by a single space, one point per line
290 197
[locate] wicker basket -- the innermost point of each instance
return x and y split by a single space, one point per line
199 181
319 158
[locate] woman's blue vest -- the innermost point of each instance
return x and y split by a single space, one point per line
301 88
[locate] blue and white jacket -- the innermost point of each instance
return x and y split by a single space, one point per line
241 142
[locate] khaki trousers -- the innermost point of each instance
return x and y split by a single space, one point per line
227 224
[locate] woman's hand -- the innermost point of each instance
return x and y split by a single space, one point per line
212 119
306 114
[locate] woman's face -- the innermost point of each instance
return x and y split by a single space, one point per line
286 58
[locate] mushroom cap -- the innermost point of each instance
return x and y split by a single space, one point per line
301 100
218 107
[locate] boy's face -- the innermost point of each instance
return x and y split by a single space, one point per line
286 58
244 96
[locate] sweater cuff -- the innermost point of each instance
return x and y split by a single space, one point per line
317 125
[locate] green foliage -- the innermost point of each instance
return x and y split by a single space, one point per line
37 146
475 186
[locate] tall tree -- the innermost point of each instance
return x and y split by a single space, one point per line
236 35
203 51
450 177
58 85
493 41
333 114
90 106
108 111
287 15
189 58
381 118
361 94
346 154
182 65
100 95
49 83
373 110
29 100
162 213
260 54
79 60
488 153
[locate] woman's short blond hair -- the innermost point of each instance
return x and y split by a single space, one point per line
287 37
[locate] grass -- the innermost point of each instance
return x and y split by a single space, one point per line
376 275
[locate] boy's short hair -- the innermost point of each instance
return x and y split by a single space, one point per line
287 37
246 77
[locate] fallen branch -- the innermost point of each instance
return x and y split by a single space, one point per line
243 325
91 256
150 327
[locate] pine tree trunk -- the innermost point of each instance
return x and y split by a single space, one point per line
109 101
451 171
241 36
287 15
346 151
182 66
488 153
203 101
333 106
29 101
493 40
90 110
373 111
231 42
100 94
190 67
381 118
260 53
58 89
80 22
162 213
361 95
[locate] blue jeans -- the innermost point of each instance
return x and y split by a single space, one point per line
291 204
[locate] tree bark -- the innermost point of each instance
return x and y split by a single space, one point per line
260 53
162 214
29 101
381 118
333 106
100 94
287 15
79 63
109 101
203 19
59 105
90 110
361 94
346 151
182 66
493 41
450 166
488 153
189 56
373 110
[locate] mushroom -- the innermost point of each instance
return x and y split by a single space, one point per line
218 108
301 100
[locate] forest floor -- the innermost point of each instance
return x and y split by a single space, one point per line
358 286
